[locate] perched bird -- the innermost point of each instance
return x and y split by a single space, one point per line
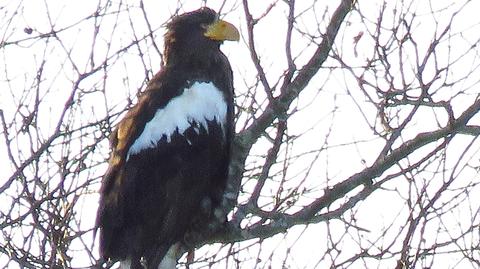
170 153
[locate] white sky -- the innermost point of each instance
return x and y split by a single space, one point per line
347 123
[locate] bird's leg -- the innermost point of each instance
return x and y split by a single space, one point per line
169 261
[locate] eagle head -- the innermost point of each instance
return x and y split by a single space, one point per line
196 32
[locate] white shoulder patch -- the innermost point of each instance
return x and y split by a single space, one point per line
201 102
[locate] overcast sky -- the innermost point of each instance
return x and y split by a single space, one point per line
353 145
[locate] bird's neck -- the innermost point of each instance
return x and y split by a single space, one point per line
183 53
196 64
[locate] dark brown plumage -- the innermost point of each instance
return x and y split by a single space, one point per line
170 152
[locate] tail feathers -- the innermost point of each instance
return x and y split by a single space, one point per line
130 263
126 264
164 258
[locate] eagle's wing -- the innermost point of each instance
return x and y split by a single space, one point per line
169 161
116 188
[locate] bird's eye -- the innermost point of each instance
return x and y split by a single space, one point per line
204 26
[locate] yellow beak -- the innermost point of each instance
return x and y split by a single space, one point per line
221 30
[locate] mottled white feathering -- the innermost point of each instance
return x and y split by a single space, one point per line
201 102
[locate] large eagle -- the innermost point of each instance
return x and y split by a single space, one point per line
170 153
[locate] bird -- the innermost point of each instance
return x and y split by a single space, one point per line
168 166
